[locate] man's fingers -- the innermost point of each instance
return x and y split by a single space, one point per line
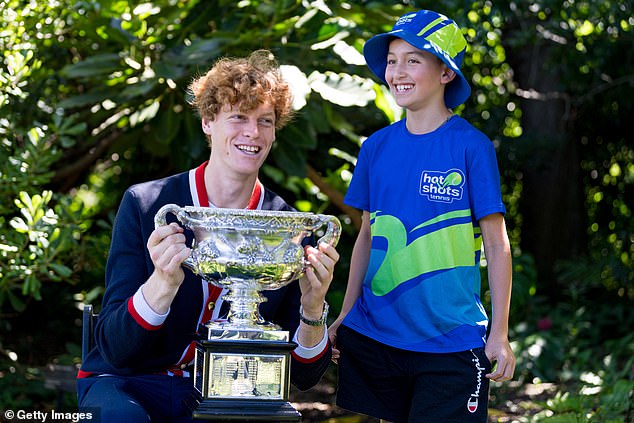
167 248
322 260
159 234
329 250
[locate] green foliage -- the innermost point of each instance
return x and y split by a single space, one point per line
583 343
40 237
596 401
22 388
43 236
93 98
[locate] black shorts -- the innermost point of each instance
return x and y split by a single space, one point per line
406 386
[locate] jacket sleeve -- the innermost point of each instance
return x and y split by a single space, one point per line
307 372
126 330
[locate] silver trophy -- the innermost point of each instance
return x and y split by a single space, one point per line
242 366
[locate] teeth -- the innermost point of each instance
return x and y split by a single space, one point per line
404 87
249 148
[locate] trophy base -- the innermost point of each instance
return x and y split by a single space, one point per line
239 410
242 380
229 331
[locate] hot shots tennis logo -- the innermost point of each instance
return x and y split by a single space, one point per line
443 187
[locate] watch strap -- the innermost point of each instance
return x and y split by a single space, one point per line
320 322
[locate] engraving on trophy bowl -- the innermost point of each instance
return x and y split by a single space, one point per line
247 251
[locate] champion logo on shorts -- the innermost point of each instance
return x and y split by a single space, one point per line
472 402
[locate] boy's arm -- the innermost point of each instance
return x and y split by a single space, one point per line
498 255
358 268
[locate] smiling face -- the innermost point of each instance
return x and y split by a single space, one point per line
416 78
240 140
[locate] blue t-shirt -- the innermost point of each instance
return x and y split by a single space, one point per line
425 195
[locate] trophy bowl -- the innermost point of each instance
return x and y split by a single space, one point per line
248 251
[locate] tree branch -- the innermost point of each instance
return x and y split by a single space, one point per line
67 176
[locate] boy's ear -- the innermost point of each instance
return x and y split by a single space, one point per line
447 75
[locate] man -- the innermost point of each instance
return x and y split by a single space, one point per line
140 368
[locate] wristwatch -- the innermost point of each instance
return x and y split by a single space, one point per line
320 322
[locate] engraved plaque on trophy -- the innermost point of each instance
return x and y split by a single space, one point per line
242 365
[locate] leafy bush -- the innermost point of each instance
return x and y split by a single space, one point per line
583 343
88 90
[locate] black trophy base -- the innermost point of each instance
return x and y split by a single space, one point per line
241 410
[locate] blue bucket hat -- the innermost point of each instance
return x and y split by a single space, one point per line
428 31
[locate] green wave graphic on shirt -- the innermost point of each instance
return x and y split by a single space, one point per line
445 248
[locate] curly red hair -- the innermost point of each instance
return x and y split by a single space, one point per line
246 82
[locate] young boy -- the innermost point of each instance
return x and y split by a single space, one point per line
411 336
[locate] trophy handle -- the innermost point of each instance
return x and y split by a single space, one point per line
160 217
160 220
333 230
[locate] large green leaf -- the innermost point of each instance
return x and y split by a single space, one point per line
289 158
138 90
100 64
92 97
299 134
166 125
199 51
169 70
342 89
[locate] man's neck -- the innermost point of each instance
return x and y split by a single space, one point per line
225 191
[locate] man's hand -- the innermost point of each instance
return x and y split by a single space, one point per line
314 286
316 281
168 250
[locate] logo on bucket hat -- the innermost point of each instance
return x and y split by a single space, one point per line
428 31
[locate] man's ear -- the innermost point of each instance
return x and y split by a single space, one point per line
206 125
447 75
